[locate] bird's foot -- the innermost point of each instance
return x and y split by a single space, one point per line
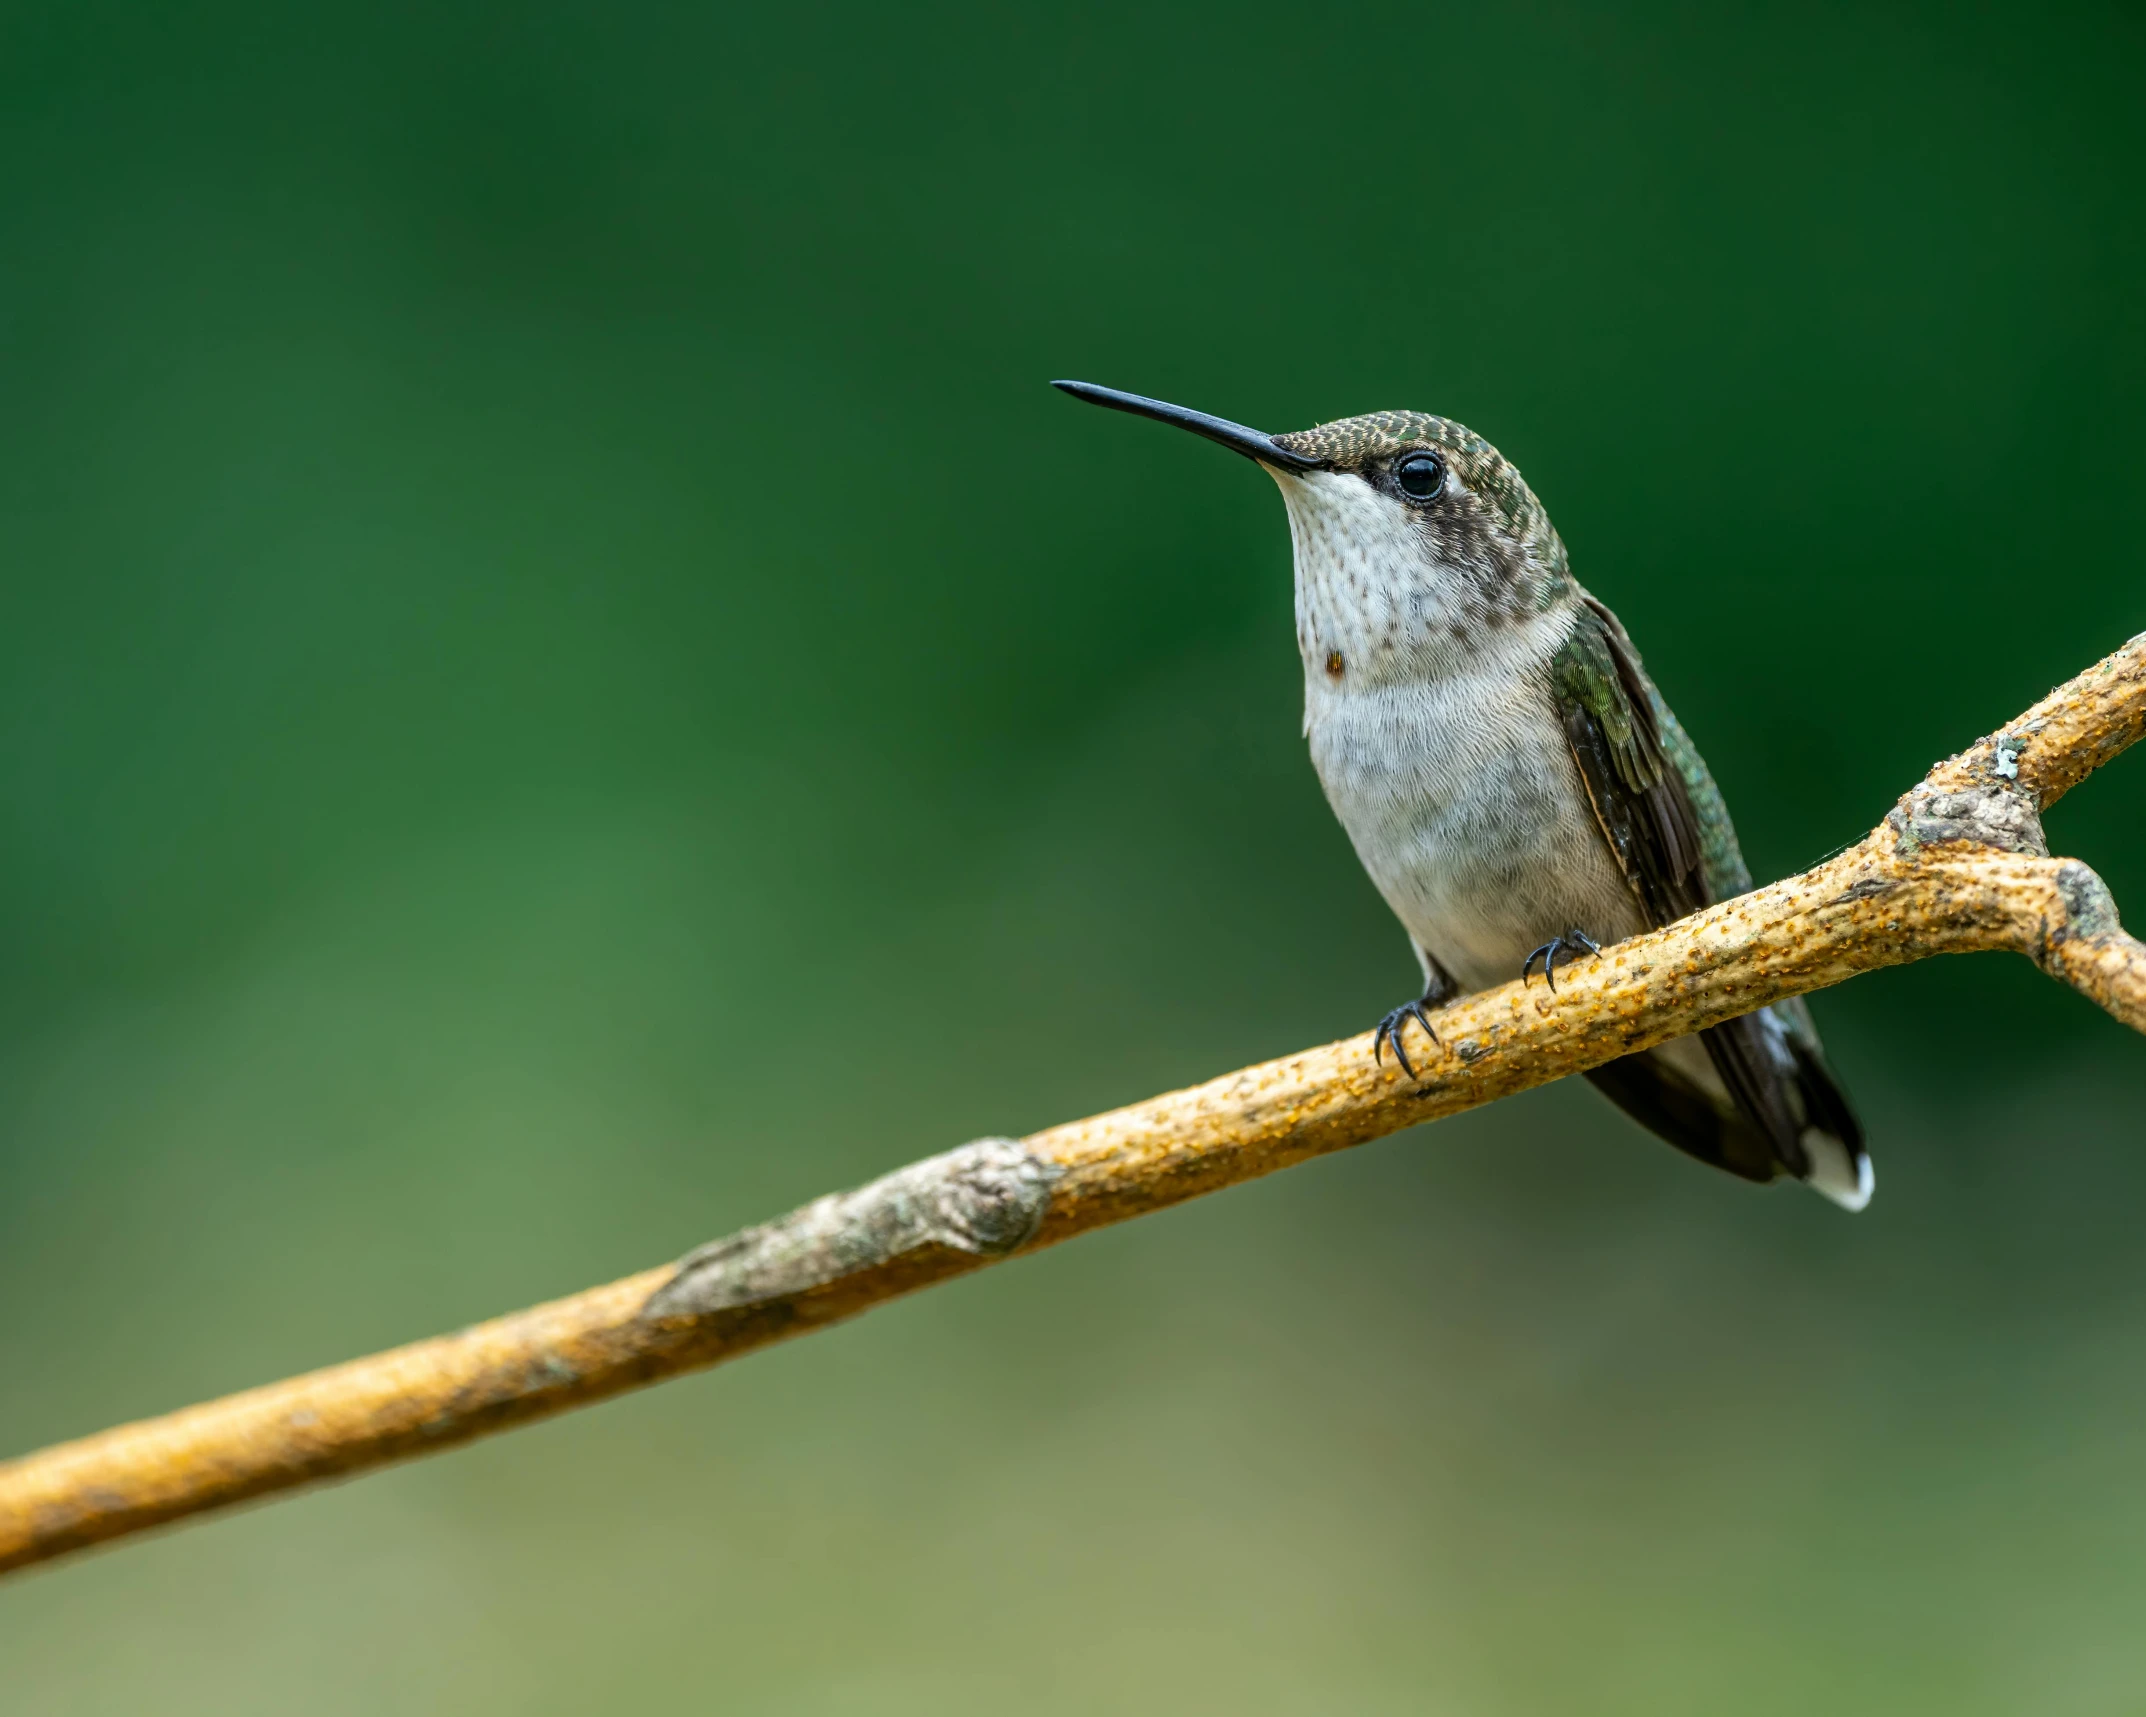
1391 1027
1571 942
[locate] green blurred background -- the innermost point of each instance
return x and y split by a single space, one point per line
565 686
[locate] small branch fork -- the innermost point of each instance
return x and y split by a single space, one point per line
1958 865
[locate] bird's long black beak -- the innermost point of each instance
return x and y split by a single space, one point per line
1250 442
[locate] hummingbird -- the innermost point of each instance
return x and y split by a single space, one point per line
1512 781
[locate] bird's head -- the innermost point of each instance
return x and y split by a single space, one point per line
1416 542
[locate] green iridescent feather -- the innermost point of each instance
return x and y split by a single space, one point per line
1721 860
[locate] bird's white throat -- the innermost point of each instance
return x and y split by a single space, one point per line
1375 605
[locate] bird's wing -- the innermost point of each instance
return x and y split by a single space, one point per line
1665 821
1610 715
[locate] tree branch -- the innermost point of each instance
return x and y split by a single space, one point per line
1958 865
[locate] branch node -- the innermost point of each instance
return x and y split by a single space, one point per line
1995 813
2089 907
987 1199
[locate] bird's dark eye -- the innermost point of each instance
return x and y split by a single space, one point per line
1421 475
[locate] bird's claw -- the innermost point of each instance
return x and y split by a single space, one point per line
1391 1027
1549 952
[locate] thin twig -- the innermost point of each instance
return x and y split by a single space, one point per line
1958 865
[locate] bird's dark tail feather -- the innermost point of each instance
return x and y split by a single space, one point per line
1780 1110
1671 1107
1832 1136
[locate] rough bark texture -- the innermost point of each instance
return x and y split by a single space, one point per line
1958 865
